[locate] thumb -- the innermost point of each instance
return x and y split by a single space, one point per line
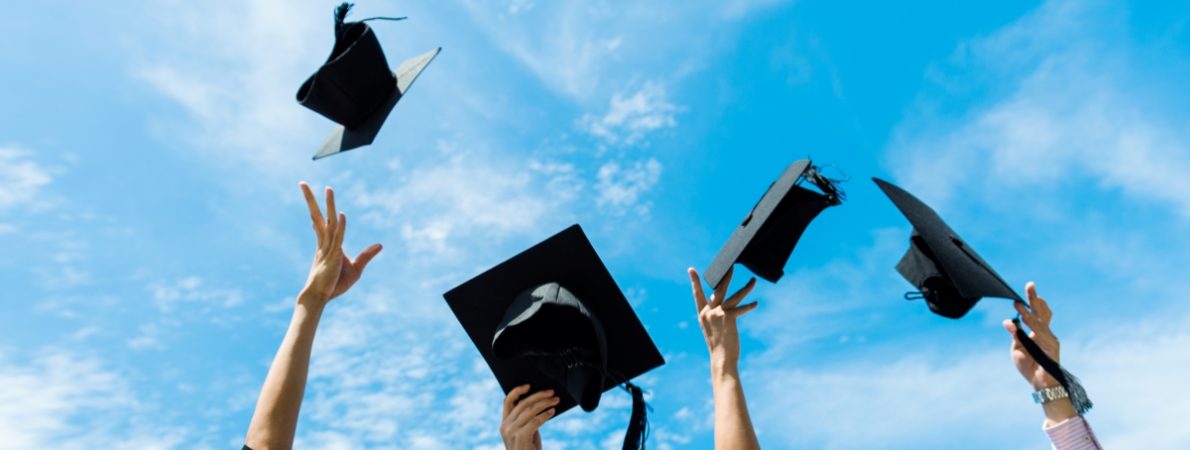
1011 327
366 256
1008 325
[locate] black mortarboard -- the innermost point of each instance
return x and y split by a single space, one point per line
951 277
766 237
552 317
354 87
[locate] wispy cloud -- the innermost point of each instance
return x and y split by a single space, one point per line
441 207
169 296
629 118
234 70
620 189
594 48
61 399
1074 132
21 178
916 401
1079 108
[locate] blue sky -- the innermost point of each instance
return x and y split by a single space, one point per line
154 237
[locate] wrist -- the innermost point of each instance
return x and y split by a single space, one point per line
1056 405
1044 381
311 301
724 366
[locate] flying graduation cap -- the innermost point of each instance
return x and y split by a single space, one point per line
355 87
951 277
552 317
765 239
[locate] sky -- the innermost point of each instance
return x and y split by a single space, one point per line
154 238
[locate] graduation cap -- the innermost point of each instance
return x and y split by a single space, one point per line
951 278
355 87
765 239
552 317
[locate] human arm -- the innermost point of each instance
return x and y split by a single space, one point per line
717 318
274 422
523 418
1066 429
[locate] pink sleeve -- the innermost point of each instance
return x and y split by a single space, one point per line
1073 434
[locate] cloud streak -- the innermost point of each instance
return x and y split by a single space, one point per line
21 178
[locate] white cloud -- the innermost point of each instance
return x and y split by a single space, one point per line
579 49
148 338
735 9
443 206
1072 116
63 400
953 381
234 69
516 6
1079 108
593 47
630 118
917 401
190 290
829 300
620 189
21 179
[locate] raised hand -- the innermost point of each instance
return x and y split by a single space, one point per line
717 316
524 417
331 273
1038 320
1037 316
274 422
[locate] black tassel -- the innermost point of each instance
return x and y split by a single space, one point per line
340 16
1078 395
638 424
829 187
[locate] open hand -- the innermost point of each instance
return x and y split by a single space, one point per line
717 316
524 417
331 273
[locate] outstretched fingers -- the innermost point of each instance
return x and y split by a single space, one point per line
1038 304
721 290
740 294
340 231
332 215
700 299
745 309
315 211
366 256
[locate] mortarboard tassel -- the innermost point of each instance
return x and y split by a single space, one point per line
340 16
638 423
1078 395
828 186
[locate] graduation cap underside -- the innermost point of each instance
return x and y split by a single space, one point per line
951 277
938 254
567 258
765 239
343 139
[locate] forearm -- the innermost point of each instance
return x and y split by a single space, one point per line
274 422
733 426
